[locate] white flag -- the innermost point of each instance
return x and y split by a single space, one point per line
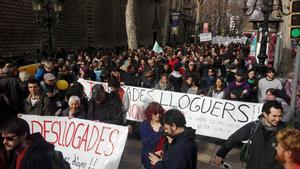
157 48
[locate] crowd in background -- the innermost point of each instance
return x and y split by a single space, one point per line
224 72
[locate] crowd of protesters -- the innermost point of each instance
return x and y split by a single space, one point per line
224 72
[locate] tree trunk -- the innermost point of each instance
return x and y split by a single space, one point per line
131 24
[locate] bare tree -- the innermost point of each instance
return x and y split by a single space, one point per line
219 12
131 24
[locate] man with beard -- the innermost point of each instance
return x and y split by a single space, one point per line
181 150
31 149
288 148
261 135
239 87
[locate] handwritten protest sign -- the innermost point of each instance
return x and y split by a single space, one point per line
209 116
205 37
85 144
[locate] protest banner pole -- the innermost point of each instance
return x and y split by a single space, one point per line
294 87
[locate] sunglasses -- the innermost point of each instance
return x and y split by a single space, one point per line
11 138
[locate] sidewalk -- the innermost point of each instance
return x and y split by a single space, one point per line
207 148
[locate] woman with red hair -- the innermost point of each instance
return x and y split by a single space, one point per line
151 132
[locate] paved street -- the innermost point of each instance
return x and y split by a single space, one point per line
207 148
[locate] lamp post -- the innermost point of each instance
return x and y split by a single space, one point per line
47 16
266 7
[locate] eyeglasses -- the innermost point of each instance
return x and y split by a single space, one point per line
10 138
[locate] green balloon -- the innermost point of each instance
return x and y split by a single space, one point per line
296 33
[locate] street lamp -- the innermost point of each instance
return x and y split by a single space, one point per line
266 7
47 16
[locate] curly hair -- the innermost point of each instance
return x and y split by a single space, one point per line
289 139
153 108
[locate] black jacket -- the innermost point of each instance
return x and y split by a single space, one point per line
110 111
10 87
36 156
43 107
262 149
181 153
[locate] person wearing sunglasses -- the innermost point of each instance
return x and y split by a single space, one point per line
31 149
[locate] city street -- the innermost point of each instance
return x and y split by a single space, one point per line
206 152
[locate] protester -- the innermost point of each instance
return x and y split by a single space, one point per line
9 85
164 83
252 81
37 103
48 86
176 78
151 132
105 107
66 74
76 89
288 148
217 91
192 86
115 88
239 87
191 70
86 73
268 82
75 110
273 94
130 77
148 80
181 149
262 135
23 83
46 67
31 149
208 80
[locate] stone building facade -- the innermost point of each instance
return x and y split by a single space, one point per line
84 23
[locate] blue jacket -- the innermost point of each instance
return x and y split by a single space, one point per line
181 153
149 139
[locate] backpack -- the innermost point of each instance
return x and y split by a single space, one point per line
244 154
57 160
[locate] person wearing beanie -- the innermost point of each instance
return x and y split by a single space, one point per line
85 73
105 107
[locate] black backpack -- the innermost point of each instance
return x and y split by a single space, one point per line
57 160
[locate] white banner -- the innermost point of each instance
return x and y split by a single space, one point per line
209 116
85 144
205 37
227 40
